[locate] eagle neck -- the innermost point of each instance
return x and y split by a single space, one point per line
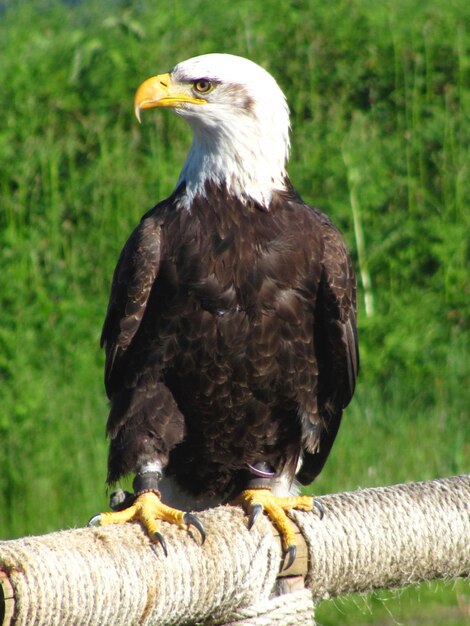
246 161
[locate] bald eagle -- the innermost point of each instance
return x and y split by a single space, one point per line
230 335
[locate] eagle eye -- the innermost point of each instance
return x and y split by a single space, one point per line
203 85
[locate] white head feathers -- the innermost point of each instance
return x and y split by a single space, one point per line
241 132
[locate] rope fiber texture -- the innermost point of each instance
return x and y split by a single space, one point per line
291 609
114 576
389 537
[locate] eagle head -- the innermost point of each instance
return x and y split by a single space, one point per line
240 122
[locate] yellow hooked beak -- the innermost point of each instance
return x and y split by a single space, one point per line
161 91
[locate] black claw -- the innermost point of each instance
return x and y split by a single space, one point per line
320 508
289 557
161 540
256 510
95 520
192 520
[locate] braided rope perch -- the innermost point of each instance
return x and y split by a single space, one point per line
114 576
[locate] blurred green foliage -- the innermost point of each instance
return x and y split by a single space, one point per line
380 101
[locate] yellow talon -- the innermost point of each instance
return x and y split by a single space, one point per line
254 501
148 509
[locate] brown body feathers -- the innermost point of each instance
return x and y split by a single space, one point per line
230 339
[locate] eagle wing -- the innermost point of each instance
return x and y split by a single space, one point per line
133 280
336 345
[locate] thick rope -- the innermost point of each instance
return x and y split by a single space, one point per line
291 609
389 537
114 576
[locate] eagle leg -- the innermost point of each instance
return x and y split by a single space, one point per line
148 509
254 501
258 498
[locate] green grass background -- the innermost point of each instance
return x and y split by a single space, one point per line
380 100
